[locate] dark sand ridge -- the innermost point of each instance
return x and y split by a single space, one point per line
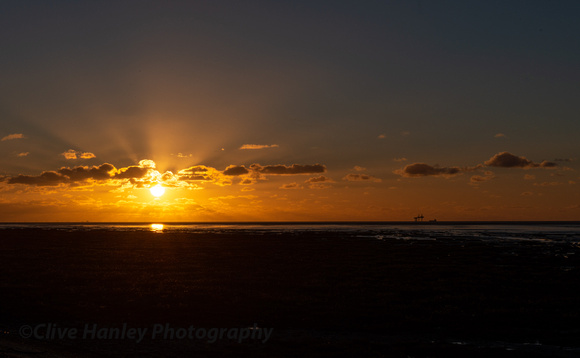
323 293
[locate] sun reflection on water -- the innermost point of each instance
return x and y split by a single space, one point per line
157 227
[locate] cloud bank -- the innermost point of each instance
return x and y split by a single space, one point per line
499 160
508 160
145 174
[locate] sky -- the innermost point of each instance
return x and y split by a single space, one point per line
289 111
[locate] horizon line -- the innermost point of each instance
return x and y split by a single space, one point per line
321 222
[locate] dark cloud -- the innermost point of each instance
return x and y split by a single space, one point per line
48 178
132 172
423 170
320 179
66 175
144 174
198 172
290 186
102 172
476 179
236 170
508 160
361 177
288 170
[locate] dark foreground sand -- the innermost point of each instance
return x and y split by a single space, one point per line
324 294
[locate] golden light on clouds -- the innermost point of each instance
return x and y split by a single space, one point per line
259 146
73 154
13 136
206 193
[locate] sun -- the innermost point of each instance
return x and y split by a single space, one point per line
157 190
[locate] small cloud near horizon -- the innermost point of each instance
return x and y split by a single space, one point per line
73 154
290 186
361 177
564 160
476 179
500 135
382 136
416 170
259 146
13 136
508 160
23 154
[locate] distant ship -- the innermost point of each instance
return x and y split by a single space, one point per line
420 217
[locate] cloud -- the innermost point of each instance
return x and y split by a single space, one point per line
359 169
73 154
132 172
198 172
382 136
290 186
422 170
501 160
320 182
145 174
13 136
236 170
102 172
361 177
23 154
288 170
47 178
476 179
500 135
400 159
70 154
258 146
508 160
87 155
181 155
529 177
320 179
552 183
564 160
66 176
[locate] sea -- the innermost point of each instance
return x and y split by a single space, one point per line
368 289
546 231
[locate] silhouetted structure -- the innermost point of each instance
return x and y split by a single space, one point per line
419 217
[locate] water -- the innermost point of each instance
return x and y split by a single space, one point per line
497 231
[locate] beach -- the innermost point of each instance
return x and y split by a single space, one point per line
287 293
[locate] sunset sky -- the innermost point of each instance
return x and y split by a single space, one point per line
289 111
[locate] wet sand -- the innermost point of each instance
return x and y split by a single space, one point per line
323 293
